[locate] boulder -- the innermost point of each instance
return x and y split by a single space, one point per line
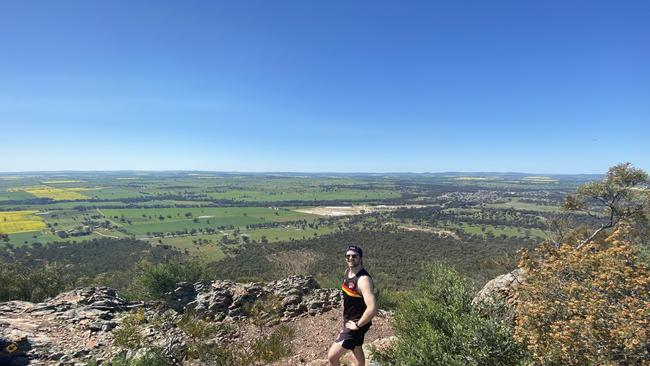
503 286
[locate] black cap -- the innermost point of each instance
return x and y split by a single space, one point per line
355 248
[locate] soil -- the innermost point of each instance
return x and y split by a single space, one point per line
315 334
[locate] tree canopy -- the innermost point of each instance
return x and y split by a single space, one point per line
622 196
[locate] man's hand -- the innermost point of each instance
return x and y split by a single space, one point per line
351 325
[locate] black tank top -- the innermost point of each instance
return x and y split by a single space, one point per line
353 304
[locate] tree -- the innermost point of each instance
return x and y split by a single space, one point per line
586 299
20 282
621 196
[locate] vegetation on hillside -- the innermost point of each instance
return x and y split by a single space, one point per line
437 324
585 300
393 258
35 273
586 306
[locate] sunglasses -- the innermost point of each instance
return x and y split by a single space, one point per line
350 256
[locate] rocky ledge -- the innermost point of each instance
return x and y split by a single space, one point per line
226 300
77 326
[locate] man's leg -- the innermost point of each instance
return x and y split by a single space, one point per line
335 353
359 357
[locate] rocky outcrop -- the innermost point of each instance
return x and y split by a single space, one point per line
78 326
503 286
230 301
67 327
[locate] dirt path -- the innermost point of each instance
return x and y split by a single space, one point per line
106 236
314 335
441 232
108 219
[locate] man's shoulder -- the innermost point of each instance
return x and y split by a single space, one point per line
363 272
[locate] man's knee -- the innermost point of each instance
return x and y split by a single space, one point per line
334 354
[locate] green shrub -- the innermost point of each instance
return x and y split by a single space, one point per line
128 334
155 280
149 358
274 346
388 299
263 310
198 332
437 325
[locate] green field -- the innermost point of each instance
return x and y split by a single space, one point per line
517 205
286 234
191 245
180 208
509 231
14 195
314 194
143 221
113 193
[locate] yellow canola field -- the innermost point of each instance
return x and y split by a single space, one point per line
20 221
81 189
57 194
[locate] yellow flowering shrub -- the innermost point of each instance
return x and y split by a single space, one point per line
586 306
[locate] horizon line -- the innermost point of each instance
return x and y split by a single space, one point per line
68 171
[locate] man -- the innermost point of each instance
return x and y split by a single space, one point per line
359 307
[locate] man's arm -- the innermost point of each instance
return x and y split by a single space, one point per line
365 285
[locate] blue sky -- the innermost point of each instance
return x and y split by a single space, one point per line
345 86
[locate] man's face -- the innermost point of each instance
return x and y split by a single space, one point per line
352 258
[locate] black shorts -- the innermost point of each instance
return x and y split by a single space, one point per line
352 338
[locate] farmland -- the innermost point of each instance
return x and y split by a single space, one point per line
211 216
56 194
12 222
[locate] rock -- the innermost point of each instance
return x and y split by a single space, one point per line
76 326
319 363
108 326
291 300
272 322
95 326
314 304
503 286
184 293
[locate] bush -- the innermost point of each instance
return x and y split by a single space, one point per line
264 350
148 358
129 335
155 280
388 299
437 325
19 282
272 347
586 306
264 310
198 332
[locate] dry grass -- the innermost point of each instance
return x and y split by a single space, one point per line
294 261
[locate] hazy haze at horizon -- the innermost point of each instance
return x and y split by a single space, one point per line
298 86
